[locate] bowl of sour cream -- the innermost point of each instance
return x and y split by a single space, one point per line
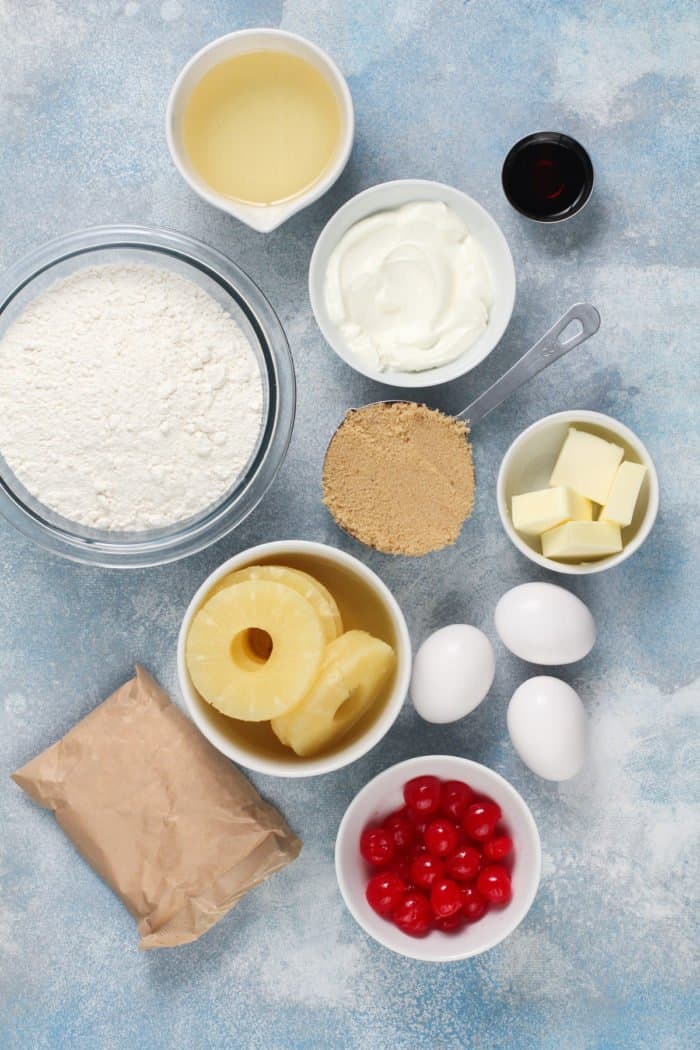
412 283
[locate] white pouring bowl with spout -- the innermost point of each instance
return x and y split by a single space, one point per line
260 217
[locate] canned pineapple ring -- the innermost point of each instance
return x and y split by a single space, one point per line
319 596
354 669
232 670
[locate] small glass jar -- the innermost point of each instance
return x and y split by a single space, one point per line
548 176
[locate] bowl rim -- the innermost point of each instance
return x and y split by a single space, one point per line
271 216
313 766
145 551
614 426
337 226
411 765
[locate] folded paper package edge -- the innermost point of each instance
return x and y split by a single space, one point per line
168 822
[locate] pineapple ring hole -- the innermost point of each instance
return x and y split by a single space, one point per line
251 648
348 707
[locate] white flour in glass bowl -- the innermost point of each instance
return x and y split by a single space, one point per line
130 400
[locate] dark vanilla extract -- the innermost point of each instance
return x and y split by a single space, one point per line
547 176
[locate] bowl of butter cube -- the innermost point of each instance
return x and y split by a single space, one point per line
577 492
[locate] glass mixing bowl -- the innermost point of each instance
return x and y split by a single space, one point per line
236 293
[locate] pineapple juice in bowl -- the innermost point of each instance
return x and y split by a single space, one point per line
372 643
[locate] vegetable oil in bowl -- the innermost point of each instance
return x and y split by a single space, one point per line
262 127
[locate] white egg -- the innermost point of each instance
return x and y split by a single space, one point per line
545 624
547 724
452 673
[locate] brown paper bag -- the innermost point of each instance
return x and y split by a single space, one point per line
168 822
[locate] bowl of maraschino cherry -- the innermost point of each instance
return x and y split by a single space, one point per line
438 858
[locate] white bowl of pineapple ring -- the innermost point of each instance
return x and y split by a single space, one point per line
527 467
364 603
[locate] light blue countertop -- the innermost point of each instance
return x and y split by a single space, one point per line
606 957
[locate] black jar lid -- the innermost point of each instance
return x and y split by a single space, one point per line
547 176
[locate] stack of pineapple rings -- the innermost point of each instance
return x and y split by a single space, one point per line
268 645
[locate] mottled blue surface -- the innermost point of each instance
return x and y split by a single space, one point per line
606 958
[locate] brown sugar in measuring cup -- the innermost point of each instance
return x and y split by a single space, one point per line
399 477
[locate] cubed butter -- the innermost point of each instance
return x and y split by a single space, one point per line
620 504
582 540
535 512
587 464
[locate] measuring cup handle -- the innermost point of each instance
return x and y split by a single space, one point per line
548 349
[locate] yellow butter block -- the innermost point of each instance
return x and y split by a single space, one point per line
620 504
582 540
587 464
535 512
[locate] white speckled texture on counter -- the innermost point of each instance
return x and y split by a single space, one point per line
606 958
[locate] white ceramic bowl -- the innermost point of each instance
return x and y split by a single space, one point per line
261 217
389 195
225 733
528 464
384 794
